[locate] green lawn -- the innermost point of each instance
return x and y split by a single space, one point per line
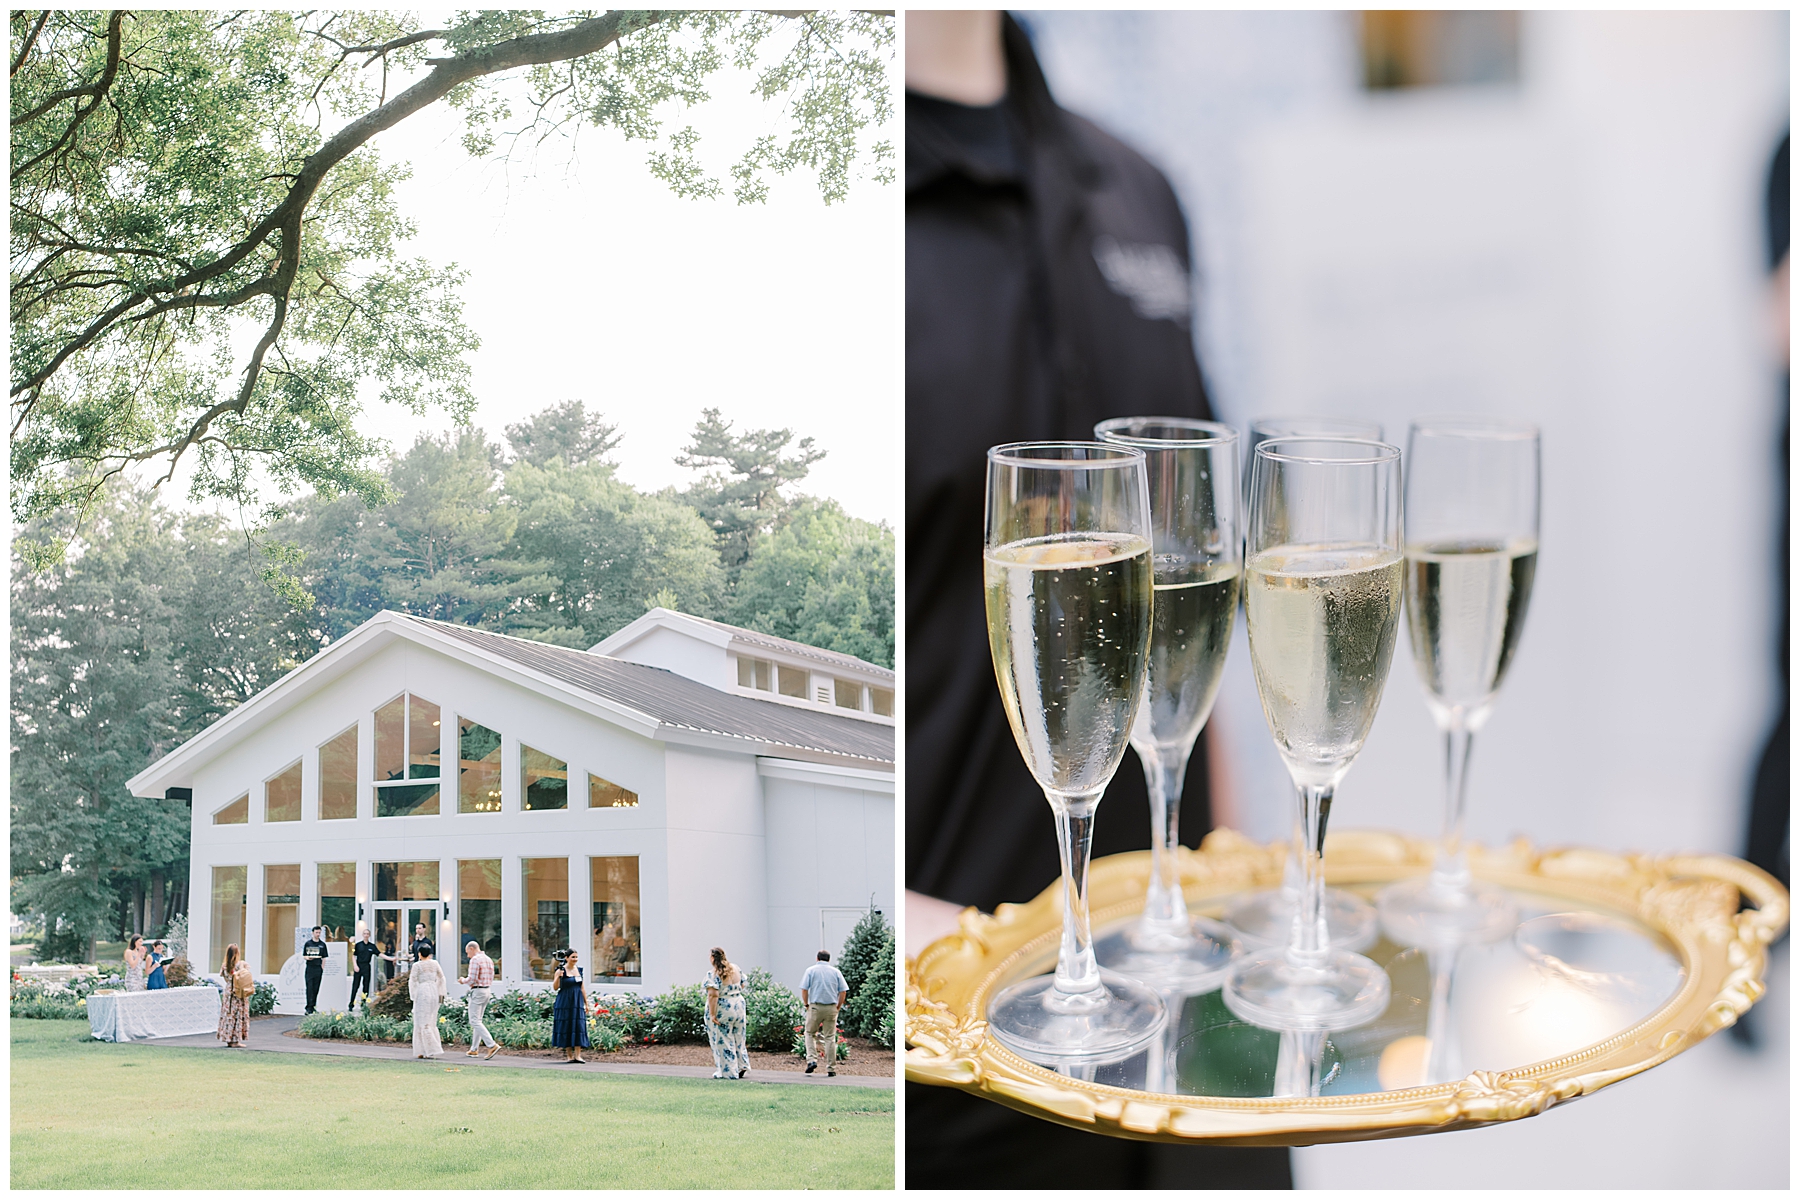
97 1115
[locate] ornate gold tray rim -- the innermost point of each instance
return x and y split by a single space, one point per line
1690 899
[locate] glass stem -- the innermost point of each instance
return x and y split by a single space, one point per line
1441 1060
1165 908
1310 944
1077 973
1450 873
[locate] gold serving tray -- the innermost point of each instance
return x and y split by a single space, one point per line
1690 902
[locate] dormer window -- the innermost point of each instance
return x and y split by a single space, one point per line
755 673
793 682
848 695
883 701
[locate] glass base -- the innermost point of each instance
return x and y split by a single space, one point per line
1417 913
1266 919
1345 990
1034 1021
1190 964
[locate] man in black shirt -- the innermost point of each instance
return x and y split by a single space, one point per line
365 952
1047 270
314 952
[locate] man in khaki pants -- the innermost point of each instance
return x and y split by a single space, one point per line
820 981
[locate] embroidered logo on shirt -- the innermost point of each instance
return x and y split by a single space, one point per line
1151 277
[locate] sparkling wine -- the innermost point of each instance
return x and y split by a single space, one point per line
1190 631
1322 621
1465 607
1069 627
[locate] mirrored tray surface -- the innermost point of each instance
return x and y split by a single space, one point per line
1617 964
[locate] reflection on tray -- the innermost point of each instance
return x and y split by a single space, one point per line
1562 982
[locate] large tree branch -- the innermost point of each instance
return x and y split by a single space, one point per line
447 74
96 89
30 41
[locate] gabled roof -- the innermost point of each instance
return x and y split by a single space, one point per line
725 634
648 700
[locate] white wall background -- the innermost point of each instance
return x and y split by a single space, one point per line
1584 251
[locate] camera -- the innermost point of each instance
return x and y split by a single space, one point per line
559 957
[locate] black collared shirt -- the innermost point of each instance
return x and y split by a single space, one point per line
314 952
1047 289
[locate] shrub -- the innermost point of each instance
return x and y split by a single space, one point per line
861 949
179 972
884 1033
47 1008
867 1005
771 1010
393 1000
262 1000
355 1027
453 1023
680 1015
83 986
521 1005
630 1017
606 1039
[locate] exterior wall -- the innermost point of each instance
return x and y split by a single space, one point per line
585 742
830 855
685 655
717 894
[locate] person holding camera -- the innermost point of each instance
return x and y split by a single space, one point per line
425 984
568 1020
726 1022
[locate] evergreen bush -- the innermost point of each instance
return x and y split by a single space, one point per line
875 997
393 1000
262 1000
861 949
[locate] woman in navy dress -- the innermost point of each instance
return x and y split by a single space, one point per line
158 957
568 1020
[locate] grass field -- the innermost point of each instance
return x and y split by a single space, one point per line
97 1115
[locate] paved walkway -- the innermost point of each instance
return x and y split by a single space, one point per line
268 1034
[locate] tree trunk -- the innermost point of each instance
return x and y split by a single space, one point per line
156 899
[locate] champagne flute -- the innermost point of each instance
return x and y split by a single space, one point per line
1471 554
1322 588
1068 578
1264 918
1198 544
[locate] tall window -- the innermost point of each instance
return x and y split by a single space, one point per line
618 944
406 880
281 913
546 914
544 781
478 908
230 899
235 813
337 901
407 749
337 777
478 768
602 794
281 796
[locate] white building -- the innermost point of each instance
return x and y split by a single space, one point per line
684 784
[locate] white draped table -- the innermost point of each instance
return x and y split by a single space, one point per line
165 1012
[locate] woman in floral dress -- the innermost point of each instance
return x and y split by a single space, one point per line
234 1010
135 954
725 1020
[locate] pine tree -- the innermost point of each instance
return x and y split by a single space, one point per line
874 1000
861 949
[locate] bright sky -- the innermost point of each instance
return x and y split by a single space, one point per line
590 280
